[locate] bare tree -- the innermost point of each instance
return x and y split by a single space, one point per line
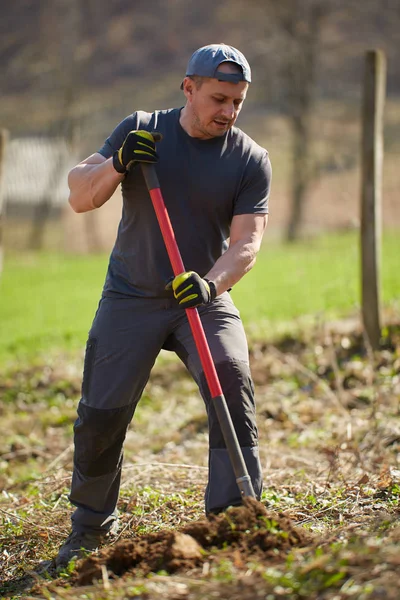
62 20
299 23
289 52
3 144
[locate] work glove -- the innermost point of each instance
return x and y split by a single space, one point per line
138 146
191 290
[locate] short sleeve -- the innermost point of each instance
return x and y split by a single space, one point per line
254 191
116 139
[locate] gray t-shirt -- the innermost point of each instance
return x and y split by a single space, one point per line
204 183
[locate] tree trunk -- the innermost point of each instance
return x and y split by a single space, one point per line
300 174
3 144
39 224
303 27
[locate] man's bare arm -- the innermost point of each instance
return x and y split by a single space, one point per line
92 182
245 241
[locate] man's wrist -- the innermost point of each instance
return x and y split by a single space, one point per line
213 289
121 169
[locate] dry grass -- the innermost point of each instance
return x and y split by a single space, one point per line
329 425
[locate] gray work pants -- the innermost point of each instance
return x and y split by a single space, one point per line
125 339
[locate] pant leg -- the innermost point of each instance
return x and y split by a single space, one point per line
227 341
124 341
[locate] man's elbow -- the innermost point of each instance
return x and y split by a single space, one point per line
71 197
251 263
250 259
76 195
73 204
77 205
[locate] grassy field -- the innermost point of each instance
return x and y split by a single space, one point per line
48 300
327 526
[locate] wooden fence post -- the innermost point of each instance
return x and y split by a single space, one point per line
371 193
3 144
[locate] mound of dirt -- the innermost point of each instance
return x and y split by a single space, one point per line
240 533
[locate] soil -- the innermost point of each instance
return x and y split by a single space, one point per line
329 431
248 532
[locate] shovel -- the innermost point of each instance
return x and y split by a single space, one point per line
228 431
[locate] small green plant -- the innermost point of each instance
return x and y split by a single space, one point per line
272 527
224 571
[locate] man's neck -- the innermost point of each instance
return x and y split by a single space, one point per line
186 123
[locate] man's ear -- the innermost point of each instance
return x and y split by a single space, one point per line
188 86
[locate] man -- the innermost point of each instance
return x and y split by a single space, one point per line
215 182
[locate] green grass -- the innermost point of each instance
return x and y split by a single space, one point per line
49 300
319 276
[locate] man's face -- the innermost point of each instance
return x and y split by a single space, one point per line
214 107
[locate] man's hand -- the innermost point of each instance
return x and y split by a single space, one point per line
191 290
138 146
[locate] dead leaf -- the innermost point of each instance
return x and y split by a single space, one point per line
385 478
364 479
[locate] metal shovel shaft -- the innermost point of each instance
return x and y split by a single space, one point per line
235 454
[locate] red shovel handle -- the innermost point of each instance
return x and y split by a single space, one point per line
192 314
239 466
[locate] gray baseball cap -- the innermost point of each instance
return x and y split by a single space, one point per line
206 60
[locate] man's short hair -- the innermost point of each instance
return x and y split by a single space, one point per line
198 80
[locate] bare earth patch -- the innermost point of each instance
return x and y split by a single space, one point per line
327 526
244 533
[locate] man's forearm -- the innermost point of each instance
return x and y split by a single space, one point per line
92 184
233 264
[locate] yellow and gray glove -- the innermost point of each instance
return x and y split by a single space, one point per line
138 146
191 290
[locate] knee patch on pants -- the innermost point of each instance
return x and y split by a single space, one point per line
99 437
238 389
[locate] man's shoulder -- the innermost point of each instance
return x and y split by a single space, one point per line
248 146
144 119
141 119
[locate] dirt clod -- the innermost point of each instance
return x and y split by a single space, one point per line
239 533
